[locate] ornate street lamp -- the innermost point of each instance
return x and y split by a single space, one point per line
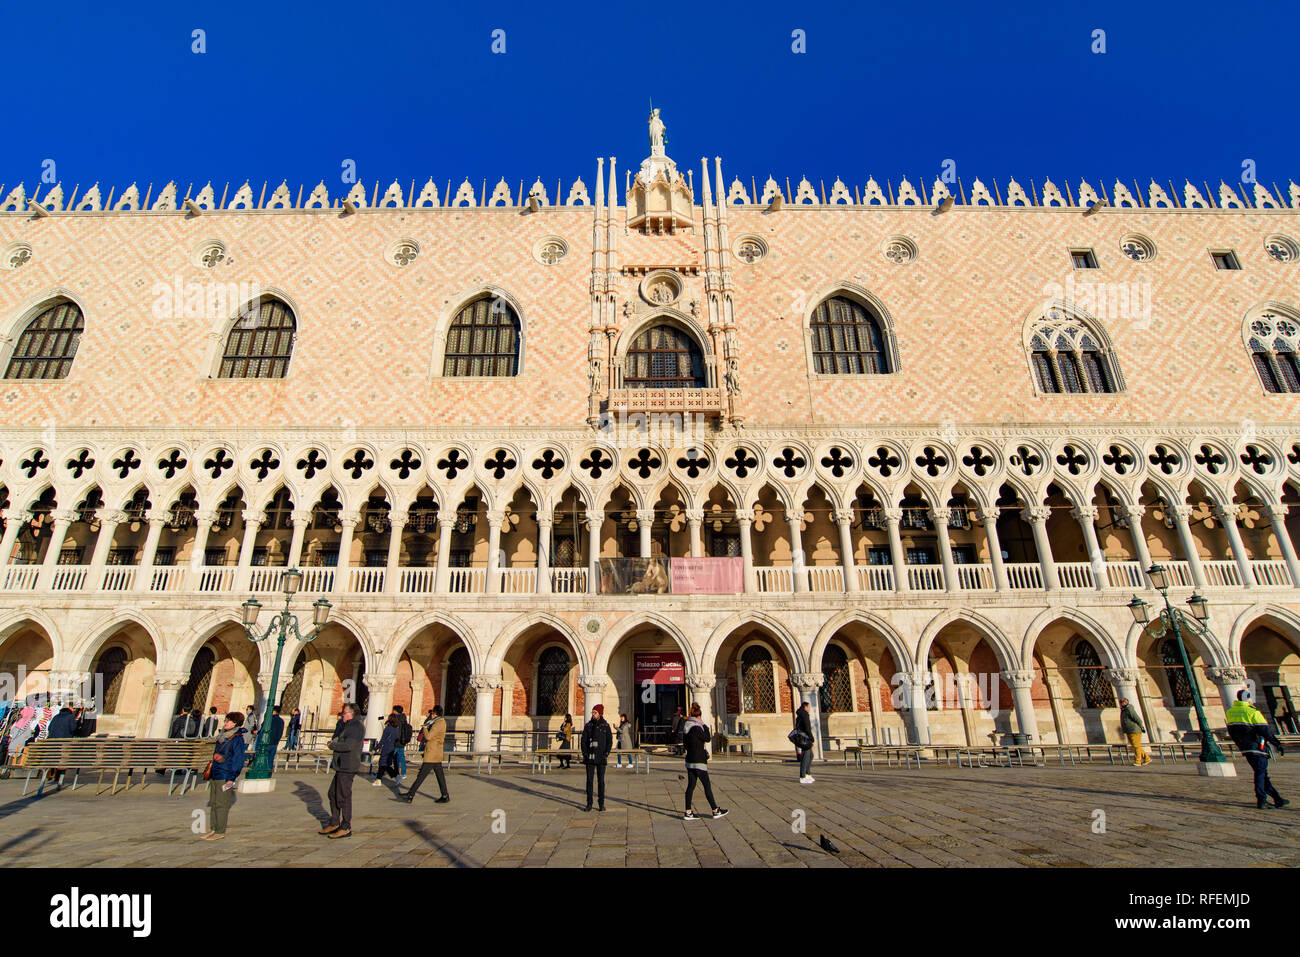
290 582
1212 762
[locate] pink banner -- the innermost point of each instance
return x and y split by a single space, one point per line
707 576
668 668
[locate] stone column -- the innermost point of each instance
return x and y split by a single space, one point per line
144 574
13 525
892 518
167 686
594 522
844 523
695 519
1228 516
940 517
1181 513
202 527
745 519
1086 516
63 518
1021 684
593 692
485 688
809 683
341 575
1276 515
989 516
720 693
913 687
442 577
798 565
701 686
645 523
1229 681
252 522
544 526
380 702
495 517
301 521
109 519
1134 515
393 563
1036 516
1125 681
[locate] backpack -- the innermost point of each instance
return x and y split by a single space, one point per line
404 733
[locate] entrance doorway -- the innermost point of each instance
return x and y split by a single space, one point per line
660 689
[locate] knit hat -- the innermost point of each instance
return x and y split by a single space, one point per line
599 709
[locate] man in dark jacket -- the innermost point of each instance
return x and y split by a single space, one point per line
1130 722
211 724
597 741
274 733
227 761
803 722
62 725
1252 736
177 729
346 745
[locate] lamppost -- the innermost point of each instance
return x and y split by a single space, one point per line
260 771
1212 762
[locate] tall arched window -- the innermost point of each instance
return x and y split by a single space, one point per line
663 357
1179 687
1068 356
836 691
292 695
1097 691
110 669
260 344
48 344
553 666
483 340
847 339
460 697
1274 343
757 681
194 693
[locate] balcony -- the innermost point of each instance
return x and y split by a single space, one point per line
705 401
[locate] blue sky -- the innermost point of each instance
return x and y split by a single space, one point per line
291 90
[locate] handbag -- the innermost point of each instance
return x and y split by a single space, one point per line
207 772
799 739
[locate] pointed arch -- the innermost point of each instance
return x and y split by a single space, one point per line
1069 351
1007 655
894 641
516 629
483 333
42 342
410 629
1271 334
635 622
1282 619
1113 656
83 654
257 342
849 331
776 628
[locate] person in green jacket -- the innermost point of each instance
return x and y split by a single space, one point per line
1130 722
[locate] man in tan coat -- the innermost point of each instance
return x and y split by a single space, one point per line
435 734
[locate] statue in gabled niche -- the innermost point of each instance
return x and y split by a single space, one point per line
594 363
733 375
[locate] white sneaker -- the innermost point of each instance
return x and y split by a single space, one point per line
807 779
378 783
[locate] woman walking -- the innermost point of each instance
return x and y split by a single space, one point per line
386 762
566 740
625 742
804 742
227 762
695 741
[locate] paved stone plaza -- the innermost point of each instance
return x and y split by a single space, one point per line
949 817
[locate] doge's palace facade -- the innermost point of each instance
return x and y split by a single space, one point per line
903 451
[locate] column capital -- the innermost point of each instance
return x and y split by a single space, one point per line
1181 511
987 513
794 514
377 683
547 520
113 516
205 516
496 516
302 516
350 520
745 516
843 516
67 515
1084 513
594 519
893 514
1275 511
445 522
940 516
1018 680
1226 513
807 680
645 516
254 516
597 683
1226 675
1133 512
398 519
695 515
482 683
701 682
1121 676
1036 514
170 680
158 521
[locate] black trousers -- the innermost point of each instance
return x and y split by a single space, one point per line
1263 786
692 776
426 768
597 771
341 799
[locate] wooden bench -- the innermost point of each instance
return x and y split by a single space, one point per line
119 755
742 741
542 758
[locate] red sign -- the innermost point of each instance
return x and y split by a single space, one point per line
668 668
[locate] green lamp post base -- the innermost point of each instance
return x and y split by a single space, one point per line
249 785
1216 769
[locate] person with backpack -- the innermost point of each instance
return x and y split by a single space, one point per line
227 762
597 742
696 738
404 734
1252 736
385 763
802 739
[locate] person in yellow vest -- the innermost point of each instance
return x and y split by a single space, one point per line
1252 736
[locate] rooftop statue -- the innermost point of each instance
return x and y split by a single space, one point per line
657 139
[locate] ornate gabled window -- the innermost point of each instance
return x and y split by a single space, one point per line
663 357
1273 339
1068 355
260 343
48 343
847 339
483 340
